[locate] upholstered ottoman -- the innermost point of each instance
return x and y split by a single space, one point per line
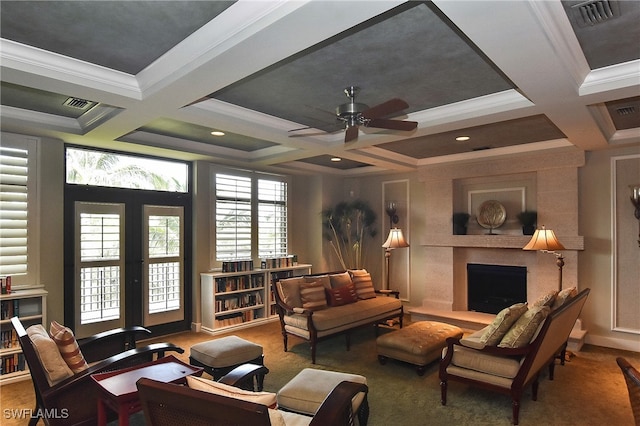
220 356
419 343
305 392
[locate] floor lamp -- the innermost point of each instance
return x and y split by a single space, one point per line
545 240
394 240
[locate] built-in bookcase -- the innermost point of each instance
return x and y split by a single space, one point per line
30 305
234 299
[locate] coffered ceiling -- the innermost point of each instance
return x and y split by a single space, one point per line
157 77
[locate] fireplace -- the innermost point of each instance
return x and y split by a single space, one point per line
491 288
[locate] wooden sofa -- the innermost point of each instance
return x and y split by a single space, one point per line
314 325
510 370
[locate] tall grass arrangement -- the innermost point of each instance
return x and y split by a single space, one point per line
346 226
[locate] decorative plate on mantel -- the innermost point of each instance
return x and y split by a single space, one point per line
491 215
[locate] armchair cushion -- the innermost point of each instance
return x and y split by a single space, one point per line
264 398
312 295
495 331
363 283
342 295
521 333
68 347
46 349
471 359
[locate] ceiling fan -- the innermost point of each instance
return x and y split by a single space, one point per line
355 114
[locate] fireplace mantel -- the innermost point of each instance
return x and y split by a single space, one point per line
571 242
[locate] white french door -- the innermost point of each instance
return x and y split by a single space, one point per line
99 267
163 251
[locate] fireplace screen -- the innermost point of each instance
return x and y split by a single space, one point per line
491 288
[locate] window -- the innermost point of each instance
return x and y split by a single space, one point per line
100 168
251 216
18 210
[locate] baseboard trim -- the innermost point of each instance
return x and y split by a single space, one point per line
614 343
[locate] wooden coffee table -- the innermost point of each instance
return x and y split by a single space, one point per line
118 389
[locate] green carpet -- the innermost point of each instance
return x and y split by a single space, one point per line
587 390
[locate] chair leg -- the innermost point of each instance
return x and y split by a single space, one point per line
515 406
33 421
363 412
443 392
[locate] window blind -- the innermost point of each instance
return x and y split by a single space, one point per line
272 218
233 217
14 208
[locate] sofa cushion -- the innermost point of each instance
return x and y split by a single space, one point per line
546 299
342 295
206 385
289 289
52 363
312 295
524 328
362 281
68 347
495 331
340 280
563 296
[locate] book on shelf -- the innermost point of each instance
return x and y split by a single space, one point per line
279 262
240 265
9 308
12 363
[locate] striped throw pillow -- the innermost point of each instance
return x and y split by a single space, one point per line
68 347
312 295
363 284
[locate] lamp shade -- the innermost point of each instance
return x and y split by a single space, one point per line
544 240
395 239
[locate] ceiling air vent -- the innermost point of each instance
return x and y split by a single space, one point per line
595 11
626 110
77 103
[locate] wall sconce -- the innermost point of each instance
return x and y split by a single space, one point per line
634 196
391 208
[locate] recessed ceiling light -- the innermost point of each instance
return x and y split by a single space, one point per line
462 138
217 133
336 159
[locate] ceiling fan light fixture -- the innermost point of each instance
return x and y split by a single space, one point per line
336 159
462 138
217 133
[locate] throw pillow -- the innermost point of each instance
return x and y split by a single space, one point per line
206 385
340 280
495 331
290 291
545 299
522 331
52 363
364 286
563 296
324 279
312 295
68 347
342 296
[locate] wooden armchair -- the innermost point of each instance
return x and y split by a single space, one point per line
166 404
632 379
73 400
510 370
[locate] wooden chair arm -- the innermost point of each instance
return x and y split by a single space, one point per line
336 408
243 373
108 343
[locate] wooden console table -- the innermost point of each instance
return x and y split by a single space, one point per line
118 389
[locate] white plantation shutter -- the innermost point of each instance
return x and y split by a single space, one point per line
233 217
16 191
272 218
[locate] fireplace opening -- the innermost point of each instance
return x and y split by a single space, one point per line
491 288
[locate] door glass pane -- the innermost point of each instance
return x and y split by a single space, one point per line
165 265
99 294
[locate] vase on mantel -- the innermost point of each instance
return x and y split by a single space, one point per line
528 220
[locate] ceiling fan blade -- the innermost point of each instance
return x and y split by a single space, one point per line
386 108
301 128
351 134
381 123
